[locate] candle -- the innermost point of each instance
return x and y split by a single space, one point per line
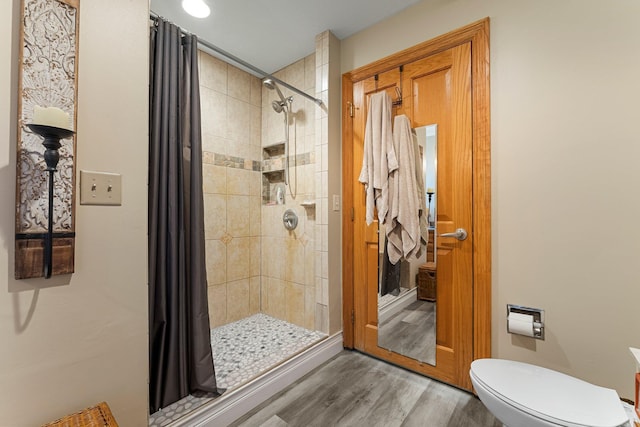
430 190
50 116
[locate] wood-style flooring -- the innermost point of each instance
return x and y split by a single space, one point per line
411 332
353 389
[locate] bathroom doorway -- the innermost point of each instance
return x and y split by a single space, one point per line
445 82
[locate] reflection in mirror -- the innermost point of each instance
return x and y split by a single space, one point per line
407 290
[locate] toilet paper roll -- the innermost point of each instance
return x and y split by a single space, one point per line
518 323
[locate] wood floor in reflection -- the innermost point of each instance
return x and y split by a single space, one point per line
353 389
411 332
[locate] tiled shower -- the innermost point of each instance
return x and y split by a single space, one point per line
257 269
268 288
255 265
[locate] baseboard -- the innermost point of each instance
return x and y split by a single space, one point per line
398 305
228 408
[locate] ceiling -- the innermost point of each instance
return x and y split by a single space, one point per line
271 34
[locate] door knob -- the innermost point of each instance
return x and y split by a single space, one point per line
460 234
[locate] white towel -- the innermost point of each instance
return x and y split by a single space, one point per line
403 222
379 158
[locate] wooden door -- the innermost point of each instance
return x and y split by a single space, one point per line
436 90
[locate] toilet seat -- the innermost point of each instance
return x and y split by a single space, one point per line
549 395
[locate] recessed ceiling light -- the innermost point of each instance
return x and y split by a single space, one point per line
196 8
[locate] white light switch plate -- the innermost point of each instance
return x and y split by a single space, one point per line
336 202
100 188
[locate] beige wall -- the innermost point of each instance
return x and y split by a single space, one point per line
331 135
565 174
70 342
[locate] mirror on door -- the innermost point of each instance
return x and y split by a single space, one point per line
407 290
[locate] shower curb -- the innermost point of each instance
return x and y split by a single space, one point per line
228 408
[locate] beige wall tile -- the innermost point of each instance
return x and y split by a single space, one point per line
213 73
295 295
309 264
318 290
255 185
325 292
215 215
239 84
256 128
246 150
238 216
294 263
310 73
255 255
295 74
322 318
254 294
275 296
272 221
215 144
238 258
213 107
256 91
310 116
255 215
238 115
238 302
297 124
216 260
273 251
214 179
309 307
238 181
265 286
217 298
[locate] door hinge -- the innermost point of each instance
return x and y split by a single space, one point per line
353 317
353 214
350 107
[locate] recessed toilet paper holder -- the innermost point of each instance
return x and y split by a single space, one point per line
537 330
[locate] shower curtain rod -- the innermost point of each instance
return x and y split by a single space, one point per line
154 17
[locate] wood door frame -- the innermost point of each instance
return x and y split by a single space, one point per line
478 34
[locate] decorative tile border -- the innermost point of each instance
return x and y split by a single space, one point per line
218 159
267 165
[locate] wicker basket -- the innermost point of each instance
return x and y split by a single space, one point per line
427 282
96 416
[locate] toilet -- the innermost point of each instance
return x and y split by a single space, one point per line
523 395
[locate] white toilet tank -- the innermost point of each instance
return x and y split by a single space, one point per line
552 396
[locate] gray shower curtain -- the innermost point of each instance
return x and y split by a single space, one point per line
180 357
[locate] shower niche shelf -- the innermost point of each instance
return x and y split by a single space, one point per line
273 150
276 175
273 165
273 162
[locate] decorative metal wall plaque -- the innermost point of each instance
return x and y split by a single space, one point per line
48 78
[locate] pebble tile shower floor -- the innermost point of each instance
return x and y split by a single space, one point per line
241 351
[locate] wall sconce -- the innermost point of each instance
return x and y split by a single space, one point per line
47 75
51 124
430 193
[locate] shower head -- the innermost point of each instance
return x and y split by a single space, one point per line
271 85
278 106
